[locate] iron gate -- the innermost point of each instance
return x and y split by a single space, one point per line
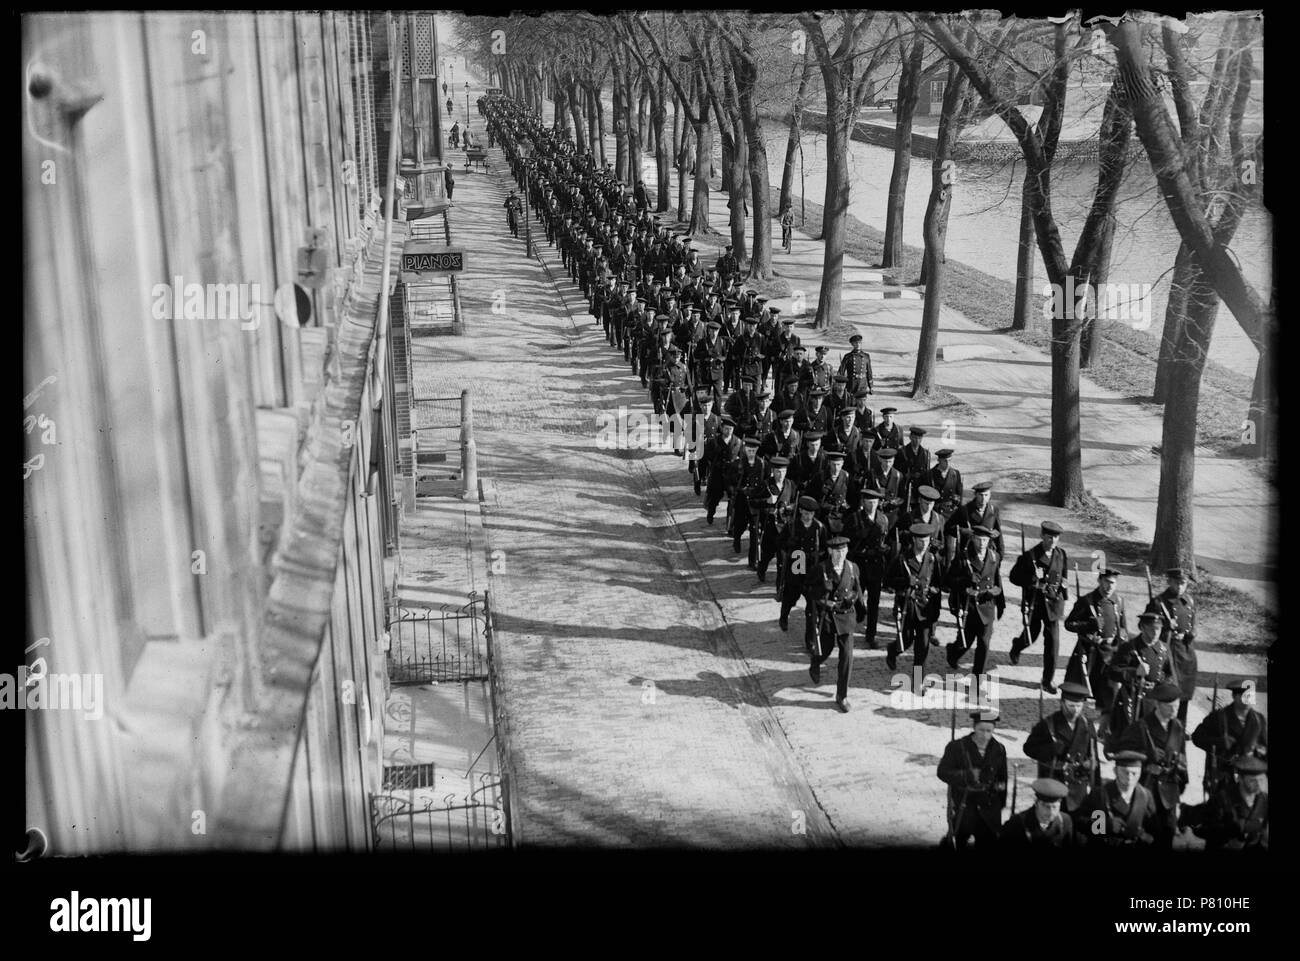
436 422
472 822
438 644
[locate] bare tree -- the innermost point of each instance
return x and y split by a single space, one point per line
1112 155
847 73
1256 317
796 132
910 79
1211 154
730 129
738 40
1066 277
698 118
956 106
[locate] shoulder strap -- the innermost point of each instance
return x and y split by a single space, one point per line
1080 727
1137 811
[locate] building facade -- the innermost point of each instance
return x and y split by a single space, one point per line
212 471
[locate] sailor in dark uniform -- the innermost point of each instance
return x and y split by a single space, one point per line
1120 813
1100 621
836 593
975 594
868 529
1231 732
815 415
1236 818
978 511
946 479
914 464
720 455
864 418
1136 667
781 497
887 433
748 475
856 366
975 769
1178 609
1040 573
784 440
802 549
915 576
1065 745
884 477
1042 826
1161 738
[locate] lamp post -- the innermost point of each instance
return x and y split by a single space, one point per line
466 104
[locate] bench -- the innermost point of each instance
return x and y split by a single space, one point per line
476 156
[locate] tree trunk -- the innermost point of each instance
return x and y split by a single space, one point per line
634 125
1174 543
600 125
560 119
579 131
727 162
1093 333
942 184
1181 197
699 223
589 107
1262 417
908 87
835 205
678 130
641 113
659 115
1175 312
736 200
1093 250
756 175
620 114
683 169
796 131
1022 317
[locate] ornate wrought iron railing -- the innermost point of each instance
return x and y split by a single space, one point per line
418 822
438 644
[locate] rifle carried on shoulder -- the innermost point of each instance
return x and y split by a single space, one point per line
1211 778
1024 617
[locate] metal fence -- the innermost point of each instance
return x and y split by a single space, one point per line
500 724
433 307
436 422
443 643
469 822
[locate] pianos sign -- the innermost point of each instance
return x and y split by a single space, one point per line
422 260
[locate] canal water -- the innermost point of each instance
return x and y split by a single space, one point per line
984 224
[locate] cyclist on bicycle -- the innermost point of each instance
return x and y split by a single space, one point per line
787 227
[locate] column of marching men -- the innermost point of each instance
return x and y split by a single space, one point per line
841 505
